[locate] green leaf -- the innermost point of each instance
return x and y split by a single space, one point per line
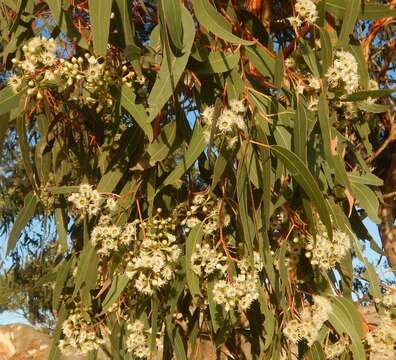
340 318
242 188
173 18
132 51
60 281
327 50
350 17
195 148
316 352
300 133
279 70
194 238
208 17
178 346
344 224
118 285
367 179
309 58
307 182
25 147
109 181
61 227
373 108
367 200
363 95
4 126
262 59
137 111
12 4
171 68
222 160
100 13
54 351
165 142
23 217
87 266
63 190
8 100
370 11
356 49
219 62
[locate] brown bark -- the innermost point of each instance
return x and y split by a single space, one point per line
262 9
387 209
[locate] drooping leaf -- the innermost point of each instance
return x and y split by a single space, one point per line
24 216
136 110
367 200
208 17
100 13
8 100
370 11
348 24
195 148
305 179
171 68
118 285
173 18
194 238
219 62
340 318
300 133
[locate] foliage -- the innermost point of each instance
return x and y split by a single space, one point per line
207 172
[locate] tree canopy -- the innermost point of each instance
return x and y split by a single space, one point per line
178 173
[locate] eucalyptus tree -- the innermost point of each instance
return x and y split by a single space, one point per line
207 167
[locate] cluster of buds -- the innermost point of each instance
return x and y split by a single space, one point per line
85 80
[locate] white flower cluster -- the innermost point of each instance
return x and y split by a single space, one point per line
242 290
344 72
206 260
333 351
327 253
388 299
382 340
80 335
311 320
207 210
154 266
306 11
229 123
86 201
108 237
86 80
137 341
